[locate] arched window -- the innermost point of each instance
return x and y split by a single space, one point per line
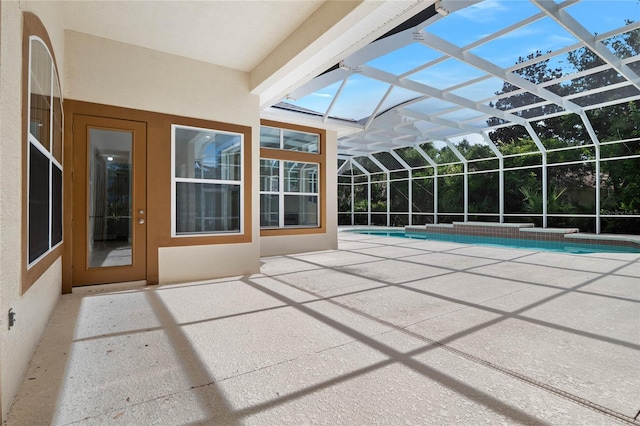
43 141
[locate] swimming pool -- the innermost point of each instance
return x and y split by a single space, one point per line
513 243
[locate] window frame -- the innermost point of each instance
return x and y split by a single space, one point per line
175 180
282 130
32 140
281 193
286 155
32 269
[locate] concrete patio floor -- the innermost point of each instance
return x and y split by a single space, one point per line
382 331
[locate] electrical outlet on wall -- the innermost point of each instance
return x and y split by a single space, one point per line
12 318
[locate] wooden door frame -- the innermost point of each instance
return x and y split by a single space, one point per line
81 274
159 177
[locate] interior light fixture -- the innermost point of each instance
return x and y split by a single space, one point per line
109 158
440 9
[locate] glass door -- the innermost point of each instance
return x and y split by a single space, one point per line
109 225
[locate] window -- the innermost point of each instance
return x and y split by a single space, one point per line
43 154
291 169
207 188
289 140
289 194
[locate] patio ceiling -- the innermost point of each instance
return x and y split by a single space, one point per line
278 43
471 67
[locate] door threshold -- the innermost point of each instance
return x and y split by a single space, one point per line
109 288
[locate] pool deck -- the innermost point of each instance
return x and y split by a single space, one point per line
382 331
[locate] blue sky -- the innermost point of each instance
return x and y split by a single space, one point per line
361 95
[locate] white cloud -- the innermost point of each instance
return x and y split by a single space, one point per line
472 138
484 11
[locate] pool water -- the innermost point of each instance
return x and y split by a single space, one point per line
563 247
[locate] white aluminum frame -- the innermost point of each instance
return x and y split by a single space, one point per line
175 180
281 193
32 140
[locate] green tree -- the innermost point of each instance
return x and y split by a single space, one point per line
536 73
620 178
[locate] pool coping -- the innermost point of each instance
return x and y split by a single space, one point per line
525 231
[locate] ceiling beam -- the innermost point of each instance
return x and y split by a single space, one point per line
576 29
477 62
439 94
334 31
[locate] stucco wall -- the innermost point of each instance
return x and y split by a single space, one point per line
181 264
113 73
35 306
288 244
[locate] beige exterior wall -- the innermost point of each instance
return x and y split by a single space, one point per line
107 72
288 244
35 306
113 73
195 263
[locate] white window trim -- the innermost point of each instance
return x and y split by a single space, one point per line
32 140
281 142
175 180
281 194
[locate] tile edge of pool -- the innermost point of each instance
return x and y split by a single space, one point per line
573 243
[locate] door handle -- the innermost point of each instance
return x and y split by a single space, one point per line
141 221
